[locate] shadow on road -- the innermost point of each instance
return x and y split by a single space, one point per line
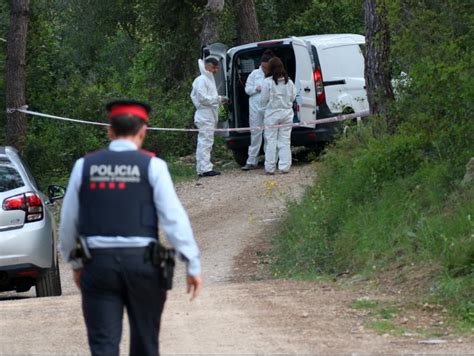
14 296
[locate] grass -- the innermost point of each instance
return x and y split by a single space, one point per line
363 303
382 326
388 313
181 172
383 317
382 201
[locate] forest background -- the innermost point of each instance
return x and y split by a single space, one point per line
385 196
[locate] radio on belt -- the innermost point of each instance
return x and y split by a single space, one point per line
81 251
162 258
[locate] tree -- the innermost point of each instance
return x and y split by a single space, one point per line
209 32
15 82
377 59
247 22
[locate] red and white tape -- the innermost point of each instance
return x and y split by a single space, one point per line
339 118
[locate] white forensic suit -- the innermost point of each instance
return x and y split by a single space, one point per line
277 103
255 80
206 100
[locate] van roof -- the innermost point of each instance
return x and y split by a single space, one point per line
8 151
338 39
317 40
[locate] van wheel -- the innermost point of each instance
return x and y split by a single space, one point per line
49 283
240 157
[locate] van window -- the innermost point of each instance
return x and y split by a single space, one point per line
9 177
220 78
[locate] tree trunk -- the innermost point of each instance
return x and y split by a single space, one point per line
247 22
15 83
209 32
377 59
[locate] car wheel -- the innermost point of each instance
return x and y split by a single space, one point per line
49 283
240 157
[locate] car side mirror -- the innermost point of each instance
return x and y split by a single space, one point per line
55 192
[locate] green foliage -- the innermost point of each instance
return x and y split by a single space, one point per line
77 63
309 17
181 172
382 326
382 199
363 303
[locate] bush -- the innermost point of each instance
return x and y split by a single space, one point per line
379 202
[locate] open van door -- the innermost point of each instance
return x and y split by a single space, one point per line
218 50
304 82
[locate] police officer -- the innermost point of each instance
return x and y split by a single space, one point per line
115 199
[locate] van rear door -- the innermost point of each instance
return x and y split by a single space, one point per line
218 50
305 88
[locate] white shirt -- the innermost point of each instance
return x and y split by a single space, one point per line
171 215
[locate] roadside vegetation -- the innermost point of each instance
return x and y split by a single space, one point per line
384 201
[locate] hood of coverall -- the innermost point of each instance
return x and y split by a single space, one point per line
204 72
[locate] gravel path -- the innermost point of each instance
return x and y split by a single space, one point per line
233 216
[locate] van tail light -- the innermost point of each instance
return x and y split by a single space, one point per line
318 83
30 203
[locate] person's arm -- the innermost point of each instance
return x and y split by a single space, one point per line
292 90
175 222
265 95
193 95
172 216
250 87
203 95
68 228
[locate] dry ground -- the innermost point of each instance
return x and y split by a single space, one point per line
233 217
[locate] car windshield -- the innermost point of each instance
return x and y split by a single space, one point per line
9 176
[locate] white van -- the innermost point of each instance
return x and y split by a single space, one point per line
328 71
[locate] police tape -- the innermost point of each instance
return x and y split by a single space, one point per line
338 118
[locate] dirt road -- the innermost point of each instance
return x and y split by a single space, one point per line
233 216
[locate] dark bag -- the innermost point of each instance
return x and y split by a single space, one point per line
164 259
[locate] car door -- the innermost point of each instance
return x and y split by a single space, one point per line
304 82
218 50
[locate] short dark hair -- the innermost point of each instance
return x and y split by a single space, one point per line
126 125
267 55
212 60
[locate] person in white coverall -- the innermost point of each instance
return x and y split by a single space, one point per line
206 100
278 95
253 88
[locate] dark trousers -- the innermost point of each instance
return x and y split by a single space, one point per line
114 279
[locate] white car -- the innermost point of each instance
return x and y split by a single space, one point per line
328 71
28 240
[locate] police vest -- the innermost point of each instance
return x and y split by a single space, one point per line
116 198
